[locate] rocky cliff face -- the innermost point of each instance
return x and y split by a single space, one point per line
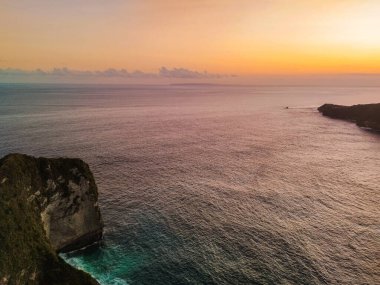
68 203
46 206
367 116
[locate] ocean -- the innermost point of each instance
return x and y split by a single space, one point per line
204 184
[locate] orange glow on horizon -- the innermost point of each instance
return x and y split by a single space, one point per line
234 37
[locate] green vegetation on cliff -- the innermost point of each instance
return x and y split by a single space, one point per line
26 254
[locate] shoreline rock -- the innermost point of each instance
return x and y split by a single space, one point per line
46 206
366 116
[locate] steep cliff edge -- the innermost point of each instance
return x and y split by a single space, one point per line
46 206
367 116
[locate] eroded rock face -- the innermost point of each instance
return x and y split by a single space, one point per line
46 206
68 204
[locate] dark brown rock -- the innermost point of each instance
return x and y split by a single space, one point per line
367 116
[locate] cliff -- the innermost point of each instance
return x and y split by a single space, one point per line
46 206
367 116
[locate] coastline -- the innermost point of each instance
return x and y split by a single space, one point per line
365 116
47 206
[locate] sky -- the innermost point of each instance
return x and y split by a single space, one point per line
210 39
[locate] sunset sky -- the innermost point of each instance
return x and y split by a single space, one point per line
221 36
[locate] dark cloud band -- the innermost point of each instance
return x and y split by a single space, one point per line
111 72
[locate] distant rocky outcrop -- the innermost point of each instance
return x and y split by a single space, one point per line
46 206
367 116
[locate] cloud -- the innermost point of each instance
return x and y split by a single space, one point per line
186 73
65 72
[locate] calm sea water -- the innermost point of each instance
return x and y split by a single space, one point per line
213 185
